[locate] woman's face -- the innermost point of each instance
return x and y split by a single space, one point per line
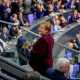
42 30
75 12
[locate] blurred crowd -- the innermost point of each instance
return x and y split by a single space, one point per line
22 13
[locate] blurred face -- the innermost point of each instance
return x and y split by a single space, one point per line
70 45
57 22
4 30
20 15
75 12
65 69
42 30
78 14
0 1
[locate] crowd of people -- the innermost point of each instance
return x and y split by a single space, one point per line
39 52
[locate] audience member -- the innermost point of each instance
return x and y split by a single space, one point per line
14 7
57 26
41 52
2 10
32 75
61 70
63 21
13 31
5 34
22 20
74 16
40 12
68 52
49 9
20 43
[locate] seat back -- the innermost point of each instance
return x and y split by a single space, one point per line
75 70
30 18
68 19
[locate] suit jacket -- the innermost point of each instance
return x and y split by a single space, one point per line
13 32
21 41
57 75
22 21
41 54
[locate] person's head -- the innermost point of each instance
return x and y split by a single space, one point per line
14 16
32 75
70 45
20 14
63 65
75 12
44 28
4 30
61 16
57 22
72 40
1 1
50 7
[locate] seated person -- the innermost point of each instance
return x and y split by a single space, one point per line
72 45
49 9
14 18
13 31
74 16
58 6
61 70
63 21
4 35
40 12
57 27
69 53
75 46
21 54
32 75
77 5
67 4
22 20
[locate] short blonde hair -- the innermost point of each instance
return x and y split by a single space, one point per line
47 25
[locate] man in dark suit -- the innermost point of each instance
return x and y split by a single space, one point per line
21 53
22 20
13 31
61 71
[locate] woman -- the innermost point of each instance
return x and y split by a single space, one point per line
41 53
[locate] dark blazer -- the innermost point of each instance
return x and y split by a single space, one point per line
77 6
41 54
57 75
13 32
21 41
22 21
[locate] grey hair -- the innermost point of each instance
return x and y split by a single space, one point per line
61 62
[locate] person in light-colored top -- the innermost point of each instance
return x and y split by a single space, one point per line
57 26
